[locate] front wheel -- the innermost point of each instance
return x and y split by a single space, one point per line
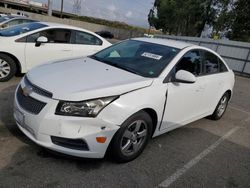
221 107
131 139
7 68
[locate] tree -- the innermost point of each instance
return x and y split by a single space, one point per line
241 21
187 17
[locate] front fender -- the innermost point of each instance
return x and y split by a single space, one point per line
128 104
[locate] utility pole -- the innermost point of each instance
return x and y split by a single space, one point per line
61 8
77 7
50 3
150 17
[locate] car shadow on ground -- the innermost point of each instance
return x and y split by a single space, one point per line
6 115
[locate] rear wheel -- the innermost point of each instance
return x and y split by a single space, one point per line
7 68
131 139
221 107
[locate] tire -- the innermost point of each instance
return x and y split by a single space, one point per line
221 107
131 139
7 68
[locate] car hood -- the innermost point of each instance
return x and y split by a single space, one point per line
85 78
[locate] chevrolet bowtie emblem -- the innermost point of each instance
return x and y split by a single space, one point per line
27 90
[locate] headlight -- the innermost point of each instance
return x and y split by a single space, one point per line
88 108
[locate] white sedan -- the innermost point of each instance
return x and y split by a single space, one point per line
121 97
11 20
27 45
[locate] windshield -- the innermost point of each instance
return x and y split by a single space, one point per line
20 29
142 58
5 18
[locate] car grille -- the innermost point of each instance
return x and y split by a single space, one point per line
28 103
37 89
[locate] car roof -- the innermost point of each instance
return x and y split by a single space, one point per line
51 24
15 17
165 42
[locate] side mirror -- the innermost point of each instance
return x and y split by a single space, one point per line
184 77
4 26
40 40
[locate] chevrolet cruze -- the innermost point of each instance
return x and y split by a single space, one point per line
25 46
117 99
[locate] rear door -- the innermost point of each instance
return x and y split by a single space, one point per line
58 47
214 72
84 44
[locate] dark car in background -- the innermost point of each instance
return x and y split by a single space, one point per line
105 34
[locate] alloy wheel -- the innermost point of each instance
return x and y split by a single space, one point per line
4 68
222 106
134 137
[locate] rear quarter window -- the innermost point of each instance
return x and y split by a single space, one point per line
80 37
222 66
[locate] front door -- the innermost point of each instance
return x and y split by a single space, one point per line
57 48
185 100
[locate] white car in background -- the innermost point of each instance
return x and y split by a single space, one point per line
12 20
121 97
27 45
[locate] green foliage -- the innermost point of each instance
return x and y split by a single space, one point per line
114 24
189 17
183 17
241 23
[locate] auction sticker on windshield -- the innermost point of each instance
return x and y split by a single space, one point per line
152 56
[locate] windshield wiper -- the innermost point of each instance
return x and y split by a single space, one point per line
98 59
115 65
124 68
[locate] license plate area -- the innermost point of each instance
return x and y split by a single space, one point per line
19 116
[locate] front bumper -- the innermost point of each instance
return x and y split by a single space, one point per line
42 126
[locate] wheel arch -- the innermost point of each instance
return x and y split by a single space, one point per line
17 62
153 114
229 91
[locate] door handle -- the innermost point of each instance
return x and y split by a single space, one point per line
66 50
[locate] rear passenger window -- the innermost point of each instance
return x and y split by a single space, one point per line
190 62
211 64
86 38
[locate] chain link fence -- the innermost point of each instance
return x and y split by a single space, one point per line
236 54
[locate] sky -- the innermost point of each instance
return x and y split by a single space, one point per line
133 12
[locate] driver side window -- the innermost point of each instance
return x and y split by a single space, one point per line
190 62
53 35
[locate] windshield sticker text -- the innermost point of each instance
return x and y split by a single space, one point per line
152 56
